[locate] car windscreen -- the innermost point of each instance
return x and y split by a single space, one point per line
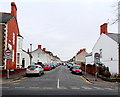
76 67
46 65
69 64
31 67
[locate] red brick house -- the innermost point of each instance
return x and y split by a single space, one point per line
10 36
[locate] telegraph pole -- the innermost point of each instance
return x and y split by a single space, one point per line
96 62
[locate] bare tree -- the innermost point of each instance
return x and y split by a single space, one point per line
116 6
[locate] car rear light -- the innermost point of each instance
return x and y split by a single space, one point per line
36 66
80 71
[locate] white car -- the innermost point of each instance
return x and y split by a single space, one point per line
34 69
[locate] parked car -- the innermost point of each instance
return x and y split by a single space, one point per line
54 66
34 70
69 65
76 69
71 68
47 67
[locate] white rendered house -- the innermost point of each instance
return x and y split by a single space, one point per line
107 46
22 57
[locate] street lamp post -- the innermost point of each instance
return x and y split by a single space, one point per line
85 67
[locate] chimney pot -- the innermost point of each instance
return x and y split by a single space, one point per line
84 49
39 46
44 49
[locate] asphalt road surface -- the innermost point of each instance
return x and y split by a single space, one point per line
59 81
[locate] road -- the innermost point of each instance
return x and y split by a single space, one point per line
58 81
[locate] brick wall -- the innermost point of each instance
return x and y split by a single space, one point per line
90 69
3 72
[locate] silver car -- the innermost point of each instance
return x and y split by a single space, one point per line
34 69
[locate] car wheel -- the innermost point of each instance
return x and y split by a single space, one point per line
42 72
72 72
26 75
80 73
39 74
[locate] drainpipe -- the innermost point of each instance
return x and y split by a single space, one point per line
119 57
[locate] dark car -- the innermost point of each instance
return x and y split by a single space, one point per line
76 69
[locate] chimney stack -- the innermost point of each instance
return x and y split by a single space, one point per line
44 49
103 28
28 50
39 46
13 9
84 49
30 47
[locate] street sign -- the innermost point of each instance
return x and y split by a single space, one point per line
8 54
97 56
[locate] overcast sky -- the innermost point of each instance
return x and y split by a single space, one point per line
63 26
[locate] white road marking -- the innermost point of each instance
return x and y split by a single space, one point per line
34 87
19 87
58 84
98 88
108 88
73 87
5 87
16 83
87 88
62 87
47 88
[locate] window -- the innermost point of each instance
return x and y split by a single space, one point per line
18 58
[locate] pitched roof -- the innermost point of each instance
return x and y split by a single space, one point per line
5 17
20 35
27 53
90 54
114 36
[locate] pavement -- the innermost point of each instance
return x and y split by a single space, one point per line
13 77
98 81
90 78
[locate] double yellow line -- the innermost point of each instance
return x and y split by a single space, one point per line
86 80
19 80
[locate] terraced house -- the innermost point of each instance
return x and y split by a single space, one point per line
11 39
9 35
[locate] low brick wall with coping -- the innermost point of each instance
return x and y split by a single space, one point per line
3 72
90 70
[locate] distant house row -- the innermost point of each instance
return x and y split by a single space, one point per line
41 55
11 39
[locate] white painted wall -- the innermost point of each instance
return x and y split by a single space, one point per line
80 57
39 55
26 56
109 50
89 60
19 49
